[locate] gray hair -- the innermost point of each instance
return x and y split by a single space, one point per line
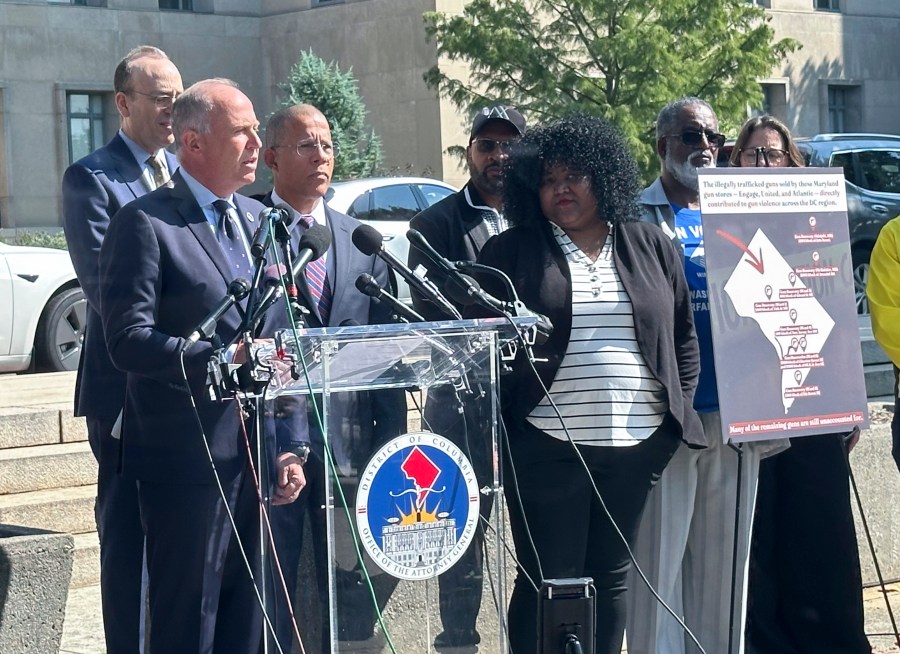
125 69
193 108
278 122
668 116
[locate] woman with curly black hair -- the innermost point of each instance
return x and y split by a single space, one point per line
608 398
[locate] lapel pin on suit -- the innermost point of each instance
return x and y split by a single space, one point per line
250 217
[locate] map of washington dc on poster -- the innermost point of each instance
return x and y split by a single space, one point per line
781 297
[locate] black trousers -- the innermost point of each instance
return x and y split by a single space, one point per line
448 413
561 530
288 529
356 614
121 543
895 422
805 587
201 597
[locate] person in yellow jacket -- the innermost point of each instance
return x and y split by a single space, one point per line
883 290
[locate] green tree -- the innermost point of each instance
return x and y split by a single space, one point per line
336 94
619 59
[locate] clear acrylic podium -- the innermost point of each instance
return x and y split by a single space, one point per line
403 513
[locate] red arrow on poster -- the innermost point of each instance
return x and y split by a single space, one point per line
756 262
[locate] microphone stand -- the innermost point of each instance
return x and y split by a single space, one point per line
283 236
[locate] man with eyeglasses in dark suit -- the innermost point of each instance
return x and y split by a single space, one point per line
685 539
94 188
458 227
301 154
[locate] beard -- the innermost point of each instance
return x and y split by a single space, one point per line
485 184
685 172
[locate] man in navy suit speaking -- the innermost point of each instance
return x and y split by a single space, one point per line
167 261
132 164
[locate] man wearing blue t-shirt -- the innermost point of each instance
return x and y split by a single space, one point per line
685 543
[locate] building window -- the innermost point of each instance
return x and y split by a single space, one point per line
68 2
843 108
827 5
177 5
85 117
760 3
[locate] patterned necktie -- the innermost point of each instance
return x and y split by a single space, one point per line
317 277
160 178
231 241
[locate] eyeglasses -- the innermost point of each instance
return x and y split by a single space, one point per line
159 100
570 180
309 149
763 156
694 137
488 146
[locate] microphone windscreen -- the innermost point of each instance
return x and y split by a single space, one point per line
273 273
284 209
317 238
367 239
367 285
239 288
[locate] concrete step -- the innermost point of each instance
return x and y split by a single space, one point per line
86 565
37 390
43 467
872 352
879 380
68 510
24 426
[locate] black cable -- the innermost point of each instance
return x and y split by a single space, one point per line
195 412
330 464
734 545
865 524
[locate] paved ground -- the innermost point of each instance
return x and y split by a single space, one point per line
83 631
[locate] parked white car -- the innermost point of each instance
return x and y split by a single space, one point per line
42 310
387 204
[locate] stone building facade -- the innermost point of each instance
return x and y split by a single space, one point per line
57 59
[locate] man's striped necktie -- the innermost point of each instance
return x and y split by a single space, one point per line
317 278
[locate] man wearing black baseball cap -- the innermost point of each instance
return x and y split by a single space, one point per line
458 227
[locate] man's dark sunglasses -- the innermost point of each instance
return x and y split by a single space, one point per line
487 146
693 137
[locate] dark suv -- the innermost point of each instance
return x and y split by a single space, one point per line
871 164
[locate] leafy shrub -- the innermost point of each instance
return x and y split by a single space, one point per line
56 240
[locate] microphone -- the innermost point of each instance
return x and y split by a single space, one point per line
314 242
282 231
464 290
517 308
368 241
237 291
367 285
461 288
415 237
267 217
